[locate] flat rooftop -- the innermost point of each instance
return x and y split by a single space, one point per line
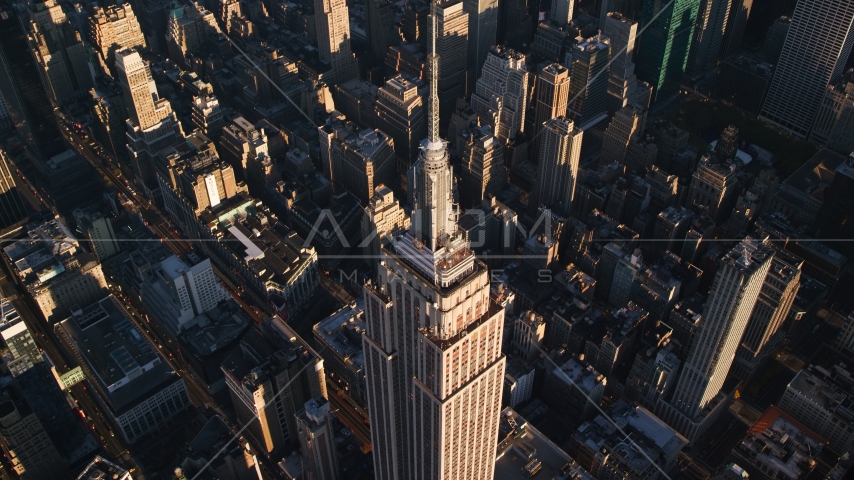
216 328
342 331
126 365
522 448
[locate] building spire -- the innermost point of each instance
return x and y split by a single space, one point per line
433 100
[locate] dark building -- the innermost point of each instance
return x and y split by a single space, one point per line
744 81
13 209
836 218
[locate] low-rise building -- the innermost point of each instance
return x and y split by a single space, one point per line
518 381
524 452
529 331
276 267
212 337
778 446
574 388
55 270
177 294
822 400
259 377
135 386
642 447
339 342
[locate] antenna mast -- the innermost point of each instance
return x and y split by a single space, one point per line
433 101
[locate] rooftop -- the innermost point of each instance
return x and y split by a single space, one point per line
126 365
101 468
779 442
827 389
575 372
342 331
216 328
524 452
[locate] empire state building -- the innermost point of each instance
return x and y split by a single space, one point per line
433 343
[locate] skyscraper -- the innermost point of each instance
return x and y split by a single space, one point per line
380 32
483 172
453 34
663 50
552 94
358 160
731 300
317 440
588 86
623 86
332 21
561 12
206 115
152 125
114 29
21 352
803 73
500 97
708 35
771 310
557 169
270 378
628 121
400 113
434 403
483 28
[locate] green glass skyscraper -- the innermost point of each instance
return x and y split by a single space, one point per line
664 46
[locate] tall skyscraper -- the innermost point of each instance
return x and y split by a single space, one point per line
731 300
400 113
433 356
380 18
483 172
317 440
561 12
557 169
803 73
152 125
628 121
453 42
115 28
332 21
552 94
708 36
772 308
588 85
500 97
735 26
663 50
623 86
483 28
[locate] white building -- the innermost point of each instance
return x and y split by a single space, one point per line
731 300
434 404
814 54
822 400
501 93
176 293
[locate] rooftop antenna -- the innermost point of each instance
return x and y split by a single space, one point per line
433 101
